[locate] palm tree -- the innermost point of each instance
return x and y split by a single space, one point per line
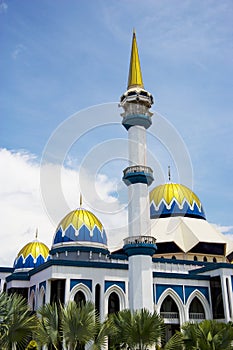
138 329
78 324
17 322
3 314
175 342
49 331
102 332
207 335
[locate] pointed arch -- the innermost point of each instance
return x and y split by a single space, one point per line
80 298
32 300
82 288
41 297
171 293
204 302
114 289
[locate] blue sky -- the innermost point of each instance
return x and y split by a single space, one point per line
60 57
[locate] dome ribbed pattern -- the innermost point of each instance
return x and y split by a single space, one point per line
80 225
173 200
32 255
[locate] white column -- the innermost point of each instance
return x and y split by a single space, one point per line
230 297
138 210
48 292
140 282
67 291
225 299
137 145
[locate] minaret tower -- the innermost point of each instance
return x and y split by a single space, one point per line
140 245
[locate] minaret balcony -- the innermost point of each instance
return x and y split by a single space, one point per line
137 95
140 245
136 119
136 108
138 174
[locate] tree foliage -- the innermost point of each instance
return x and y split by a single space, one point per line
138 329
207 335
16 322
78 324
49 331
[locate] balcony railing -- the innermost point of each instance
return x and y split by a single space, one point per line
196 316
170 315
138 169
140 240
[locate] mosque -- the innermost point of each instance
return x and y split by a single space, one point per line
173 260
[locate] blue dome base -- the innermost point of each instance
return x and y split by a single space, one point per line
175 210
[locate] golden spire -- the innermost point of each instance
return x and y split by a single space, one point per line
135 74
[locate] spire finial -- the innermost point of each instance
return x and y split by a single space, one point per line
80 200
169 173
135 74
36 235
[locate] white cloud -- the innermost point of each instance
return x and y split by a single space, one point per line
223 229
22 210
226 230
3 6
18 51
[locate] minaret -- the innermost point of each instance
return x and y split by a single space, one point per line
140 245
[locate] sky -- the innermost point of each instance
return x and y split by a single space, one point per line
64 66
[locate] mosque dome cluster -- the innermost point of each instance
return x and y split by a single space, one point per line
81 228
171 204
173 261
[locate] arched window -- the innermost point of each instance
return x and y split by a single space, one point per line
79 298
170 313
195 258
169 308
205 259
97 298
214 259
33 304
196 310
113 303
113 307
173 257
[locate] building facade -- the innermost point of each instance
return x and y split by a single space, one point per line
173 261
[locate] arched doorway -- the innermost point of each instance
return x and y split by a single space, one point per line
170 313
113 307
80 298
113 303
97 298
196 310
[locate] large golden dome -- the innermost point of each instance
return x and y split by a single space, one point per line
80 225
